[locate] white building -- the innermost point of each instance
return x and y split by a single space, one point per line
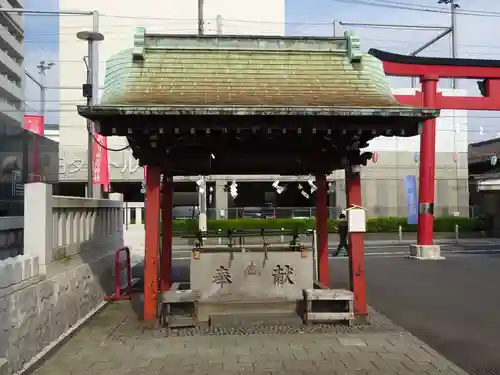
11 64
117 21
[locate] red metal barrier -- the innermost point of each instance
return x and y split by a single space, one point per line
118 296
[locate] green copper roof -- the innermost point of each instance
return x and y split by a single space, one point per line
246 71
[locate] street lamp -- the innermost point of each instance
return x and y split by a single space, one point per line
88 92
43 66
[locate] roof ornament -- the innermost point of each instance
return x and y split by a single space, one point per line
353 47
138 53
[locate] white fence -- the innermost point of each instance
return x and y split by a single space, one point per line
57 227
133 213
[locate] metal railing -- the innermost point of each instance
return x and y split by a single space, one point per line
134 212
270 213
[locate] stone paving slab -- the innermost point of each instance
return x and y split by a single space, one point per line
114 343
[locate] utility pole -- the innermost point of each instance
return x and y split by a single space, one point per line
43 67
454 84
89 92
454 39
201 18
202 186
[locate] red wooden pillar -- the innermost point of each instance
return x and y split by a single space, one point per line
356 248
166 218
322 227
427 165
152 228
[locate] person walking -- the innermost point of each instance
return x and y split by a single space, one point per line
343 229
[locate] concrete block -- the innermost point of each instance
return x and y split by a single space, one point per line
27 267
8 271
17 270
35 263
425 252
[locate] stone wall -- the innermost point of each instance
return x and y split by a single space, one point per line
36 311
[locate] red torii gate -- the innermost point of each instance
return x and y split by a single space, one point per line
430 70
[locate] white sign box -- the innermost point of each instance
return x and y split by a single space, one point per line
356 219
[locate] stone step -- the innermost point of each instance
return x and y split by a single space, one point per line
179 296
181 321
208 308
229 320
328 305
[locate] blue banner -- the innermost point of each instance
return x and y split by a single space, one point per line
411 199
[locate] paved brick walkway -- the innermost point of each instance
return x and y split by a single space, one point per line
113 343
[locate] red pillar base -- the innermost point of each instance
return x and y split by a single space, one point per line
356 250
166 251
322 228
152 228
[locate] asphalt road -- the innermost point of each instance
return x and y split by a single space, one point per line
396 248
453 305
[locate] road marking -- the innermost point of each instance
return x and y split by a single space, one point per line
398 254
373 252
381 253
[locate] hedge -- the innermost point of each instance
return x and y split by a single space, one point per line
375 225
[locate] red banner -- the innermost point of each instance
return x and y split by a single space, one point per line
100 169
35 124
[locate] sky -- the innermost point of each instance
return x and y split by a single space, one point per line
477 38
41 43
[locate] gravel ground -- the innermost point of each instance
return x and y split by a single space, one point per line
377 323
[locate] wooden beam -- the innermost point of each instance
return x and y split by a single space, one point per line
443 71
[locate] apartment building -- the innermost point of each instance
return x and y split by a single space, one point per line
11 64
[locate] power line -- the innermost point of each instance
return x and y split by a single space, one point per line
379 4
418 8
